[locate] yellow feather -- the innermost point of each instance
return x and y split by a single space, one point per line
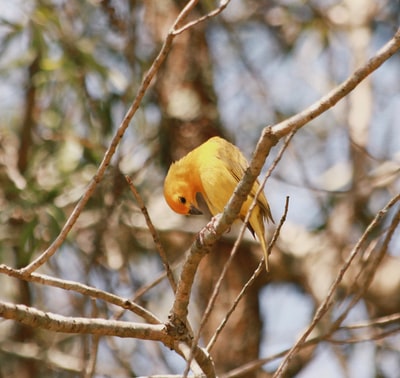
214 169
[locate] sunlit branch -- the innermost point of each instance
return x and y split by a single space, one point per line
82 289
260 268
213 13
329 299
155 66
153 232
33 317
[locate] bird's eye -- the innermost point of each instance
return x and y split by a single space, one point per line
182 200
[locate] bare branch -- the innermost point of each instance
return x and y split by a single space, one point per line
362 338
328 302
382 321
91 364
367 273
158 61
213 13
254 365
259 269
84 290
53 322
154 233
101 327
269 138
338 93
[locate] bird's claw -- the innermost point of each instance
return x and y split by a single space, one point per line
211 224
210 227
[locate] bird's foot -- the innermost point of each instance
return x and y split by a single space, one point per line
210 227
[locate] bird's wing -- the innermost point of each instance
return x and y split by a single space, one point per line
233 160
237 164
222 167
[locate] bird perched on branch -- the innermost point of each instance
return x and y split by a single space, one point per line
214 169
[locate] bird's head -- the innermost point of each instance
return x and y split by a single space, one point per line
180 191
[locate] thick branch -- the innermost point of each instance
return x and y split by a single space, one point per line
269 138
53 322
84 290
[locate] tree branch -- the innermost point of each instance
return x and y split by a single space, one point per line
53 322
269 138
329 299
158 61
84 290
338 93
213 13
153 232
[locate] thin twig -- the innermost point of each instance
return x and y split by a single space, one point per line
364 338
91 364
367 273
238 240
260 268
148 77
381 321
257 364
277 232
328 302
269 138
339 92
153 232
84 290
213 13
145 288
254 365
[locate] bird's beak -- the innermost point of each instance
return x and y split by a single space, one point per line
193 210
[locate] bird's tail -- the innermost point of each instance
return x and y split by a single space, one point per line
256 226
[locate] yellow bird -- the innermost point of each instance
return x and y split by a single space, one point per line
214 169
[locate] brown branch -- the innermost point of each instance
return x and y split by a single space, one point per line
33 317
338 93
381 321
269 138
217 287
51 250
153 232
260 268
179 311
363 338
367 273
257 364
329 299
213 13
84 290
